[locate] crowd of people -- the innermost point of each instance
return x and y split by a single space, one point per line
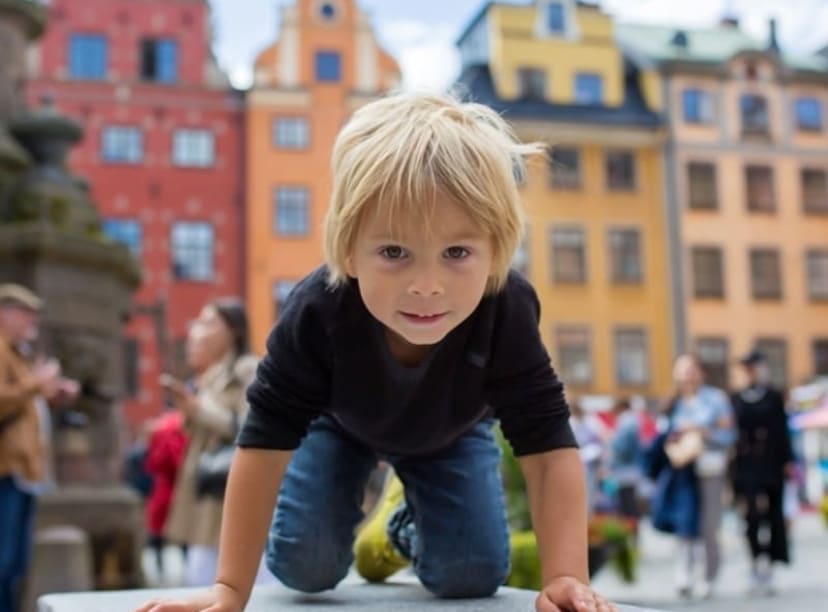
682 463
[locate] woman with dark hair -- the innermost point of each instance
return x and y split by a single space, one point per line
219 357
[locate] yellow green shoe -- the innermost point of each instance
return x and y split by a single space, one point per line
375 557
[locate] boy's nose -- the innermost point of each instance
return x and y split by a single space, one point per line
426 283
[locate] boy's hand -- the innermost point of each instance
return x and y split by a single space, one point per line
565 594
220 598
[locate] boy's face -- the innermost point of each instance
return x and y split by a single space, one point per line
421 284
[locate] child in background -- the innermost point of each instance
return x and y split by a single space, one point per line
405 347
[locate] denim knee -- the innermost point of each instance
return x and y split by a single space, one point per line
465 578
303 568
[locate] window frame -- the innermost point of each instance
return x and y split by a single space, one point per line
328 66
615 258
558 275
695 202
621 357
813 254
127 231
798 107
705 112
808 206
752 127
291 133
193 247
283 191
186 153
757 291
564 369
582 78
766 345
699 291
759 171
528 80
569 180
94 65
724 364
126 135
609 154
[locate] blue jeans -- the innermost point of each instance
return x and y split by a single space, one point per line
460 546
16 531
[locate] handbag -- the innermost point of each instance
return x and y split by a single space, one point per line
212 471
685 449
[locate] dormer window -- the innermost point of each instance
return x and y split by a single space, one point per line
556 18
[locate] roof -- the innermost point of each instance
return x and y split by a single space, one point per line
653 43
476 84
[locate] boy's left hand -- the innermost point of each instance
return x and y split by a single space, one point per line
566 594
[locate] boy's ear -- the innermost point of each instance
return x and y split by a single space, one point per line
350 268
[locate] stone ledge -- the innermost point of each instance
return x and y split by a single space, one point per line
356 597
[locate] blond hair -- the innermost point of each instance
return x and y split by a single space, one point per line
401 151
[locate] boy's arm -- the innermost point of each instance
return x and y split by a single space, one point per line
252 486
557 500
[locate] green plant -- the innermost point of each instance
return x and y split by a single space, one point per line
824 508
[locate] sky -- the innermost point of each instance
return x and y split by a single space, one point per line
421 34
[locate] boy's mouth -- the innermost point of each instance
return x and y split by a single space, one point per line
422 319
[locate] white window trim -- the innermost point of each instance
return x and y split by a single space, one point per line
571 31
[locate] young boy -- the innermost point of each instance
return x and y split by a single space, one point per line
405 347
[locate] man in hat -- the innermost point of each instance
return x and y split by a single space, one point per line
24 389
763 458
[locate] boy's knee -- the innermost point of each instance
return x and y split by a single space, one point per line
465 579
299 568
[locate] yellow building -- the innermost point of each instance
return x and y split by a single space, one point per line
748 194
597 248
325 64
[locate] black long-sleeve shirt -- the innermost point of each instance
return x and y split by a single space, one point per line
329 355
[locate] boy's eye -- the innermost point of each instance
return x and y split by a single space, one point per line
392 252
457 252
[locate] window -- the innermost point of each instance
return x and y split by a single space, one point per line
820 348
520 261
754 114
817 274
765 274
708 277
698 106
632 362
565 168
775 351
194 148
192 246
555 18
713 354
532 83
126 232
814 190
701 186
759 187
568 255
620 169
327 11
589 89
132 358
88 56
122 145
328 66
291 217
808 114
625 255
281 291
291 133
159 60
574 365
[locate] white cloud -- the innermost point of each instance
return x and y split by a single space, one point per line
426 53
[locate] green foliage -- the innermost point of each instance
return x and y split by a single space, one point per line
825 509
526 569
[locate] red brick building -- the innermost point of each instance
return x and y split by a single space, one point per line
163 154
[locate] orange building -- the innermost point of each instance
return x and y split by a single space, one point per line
325 63
748 194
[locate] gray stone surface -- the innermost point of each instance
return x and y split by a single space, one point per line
361 597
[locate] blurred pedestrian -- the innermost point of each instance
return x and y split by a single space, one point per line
703 411
588 432
218 354
763 460
165 452
625 458
26 385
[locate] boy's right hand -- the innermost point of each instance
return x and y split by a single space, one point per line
220 598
